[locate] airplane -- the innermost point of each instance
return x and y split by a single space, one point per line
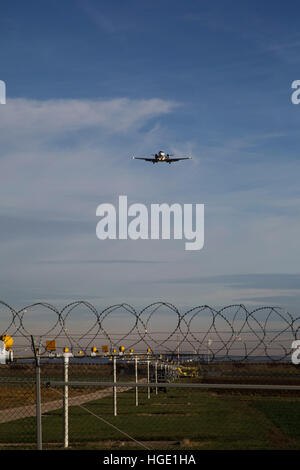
162 157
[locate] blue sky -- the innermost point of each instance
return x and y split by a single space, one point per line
91 83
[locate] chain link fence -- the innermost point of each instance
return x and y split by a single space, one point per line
148 403
205 378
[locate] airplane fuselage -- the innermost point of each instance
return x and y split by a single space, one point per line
161 156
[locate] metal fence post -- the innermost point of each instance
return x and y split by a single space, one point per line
115 388
148 376
156 390
136 380
38 404
38 396
66 400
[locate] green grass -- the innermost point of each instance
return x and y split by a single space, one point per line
181 418
284 415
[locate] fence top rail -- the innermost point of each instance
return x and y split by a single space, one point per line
58 383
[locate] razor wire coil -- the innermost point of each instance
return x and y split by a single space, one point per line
226 332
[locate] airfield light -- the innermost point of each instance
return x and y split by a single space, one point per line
8 341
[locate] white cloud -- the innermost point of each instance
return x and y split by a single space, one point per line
57 153
23 117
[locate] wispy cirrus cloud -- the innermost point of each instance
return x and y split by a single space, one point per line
54 152
41 119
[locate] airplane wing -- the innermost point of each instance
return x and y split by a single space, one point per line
177 159
146 159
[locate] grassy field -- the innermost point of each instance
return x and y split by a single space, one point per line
185 419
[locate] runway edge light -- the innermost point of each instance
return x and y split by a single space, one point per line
6 353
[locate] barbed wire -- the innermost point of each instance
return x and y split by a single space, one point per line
229 332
